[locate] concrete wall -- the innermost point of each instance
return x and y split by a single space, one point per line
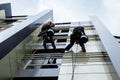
10 63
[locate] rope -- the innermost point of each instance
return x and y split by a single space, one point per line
74 62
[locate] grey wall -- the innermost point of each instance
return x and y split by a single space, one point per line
21 43
7 8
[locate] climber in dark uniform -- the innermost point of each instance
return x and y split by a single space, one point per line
48 33
76 37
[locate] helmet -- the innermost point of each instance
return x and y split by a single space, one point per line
84 38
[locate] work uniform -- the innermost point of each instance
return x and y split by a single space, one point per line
75 37
48 36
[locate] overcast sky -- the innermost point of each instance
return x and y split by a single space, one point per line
108 11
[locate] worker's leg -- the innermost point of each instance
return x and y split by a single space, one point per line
82 47
52 42
45 39
69 46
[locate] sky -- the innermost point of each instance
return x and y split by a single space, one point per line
108 11
75 10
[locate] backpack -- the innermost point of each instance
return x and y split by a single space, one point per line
84 38
50 32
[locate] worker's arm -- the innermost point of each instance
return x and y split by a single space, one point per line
83 31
